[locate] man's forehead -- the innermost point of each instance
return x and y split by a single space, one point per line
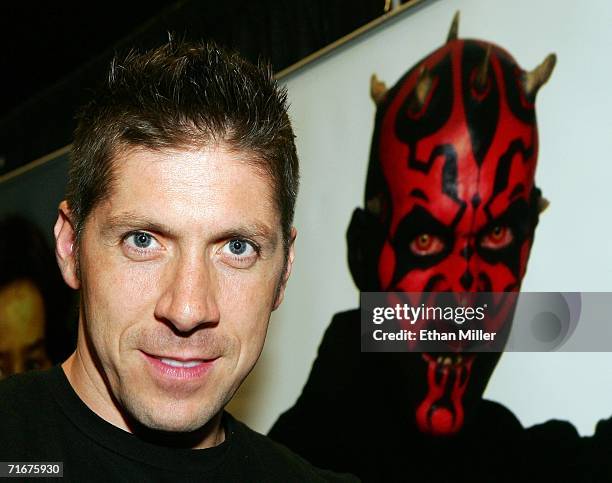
176 188
459 189
218 154
464 215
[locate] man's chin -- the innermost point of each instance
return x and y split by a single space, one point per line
171 416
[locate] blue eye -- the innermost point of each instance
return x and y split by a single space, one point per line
142 240
237 247
140 245
240 253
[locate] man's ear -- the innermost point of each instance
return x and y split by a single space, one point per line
65 246
364 238
280 292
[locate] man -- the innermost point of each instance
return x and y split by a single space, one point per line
450 205
177 231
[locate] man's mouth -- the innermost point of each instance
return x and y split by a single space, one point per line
450 361
177 363
168 368
441 413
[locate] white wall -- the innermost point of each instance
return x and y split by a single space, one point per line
333 119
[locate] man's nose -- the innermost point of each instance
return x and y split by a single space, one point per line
189 299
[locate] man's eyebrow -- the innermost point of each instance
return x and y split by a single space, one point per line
133 221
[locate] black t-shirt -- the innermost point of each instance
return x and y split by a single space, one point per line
43 419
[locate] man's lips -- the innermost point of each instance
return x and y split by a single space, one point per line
179 366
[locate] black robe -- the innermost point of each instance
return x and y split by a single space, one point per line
352 416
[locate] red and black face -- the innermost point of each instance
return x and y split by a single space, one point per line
452 202
459 172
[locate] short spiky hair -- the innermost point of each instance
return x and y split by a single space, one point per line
183 95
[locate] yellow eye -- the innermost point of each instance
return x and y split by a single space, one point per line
498 237
426 244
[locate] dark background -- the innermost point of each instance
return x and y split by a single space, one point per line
53 52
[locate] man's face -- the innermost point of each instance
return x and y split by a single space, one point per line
460 175
179 274
457 149
22 328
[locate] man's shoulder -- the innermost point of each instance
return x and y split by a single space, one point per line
279 462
